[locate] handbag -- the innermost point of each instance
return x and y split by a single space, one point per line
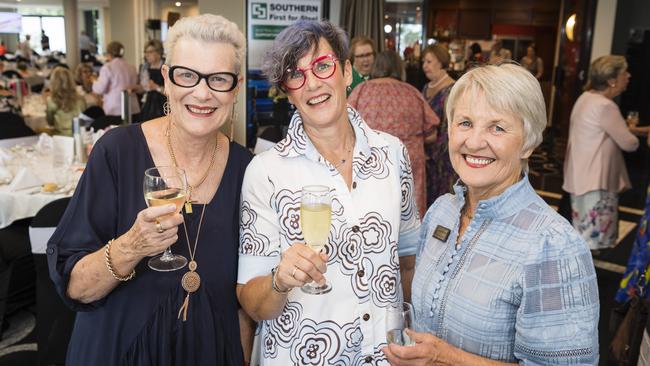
628 322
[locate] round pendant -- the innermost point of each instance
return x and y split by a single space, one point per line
192 266
191 281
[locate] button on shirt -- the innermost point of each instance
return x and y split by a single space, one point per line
519 286
371 226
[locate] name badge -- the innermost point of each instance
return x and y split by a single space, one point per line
441 233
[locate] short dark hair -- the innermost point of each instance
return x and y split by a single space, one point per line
388 64
440 53
296 41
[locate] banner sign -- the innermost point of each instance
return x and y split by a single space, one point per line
267 18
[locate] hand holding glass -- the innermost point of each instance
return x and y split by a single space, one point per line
164 185
315 218
399 317
632 118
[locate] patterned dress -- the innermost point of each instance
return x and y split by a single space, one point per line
440 174
639 259
373 223
396 107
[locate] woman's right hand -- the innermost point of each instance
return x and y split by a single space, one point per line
145 239
300 265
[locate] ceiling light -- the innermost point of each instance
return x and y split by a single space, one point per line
178 3
388 28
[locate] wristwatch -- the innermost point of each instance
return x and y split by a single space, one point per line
274 284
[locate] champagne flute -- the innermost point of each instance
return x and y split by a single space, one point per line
315 218
164 185
399 317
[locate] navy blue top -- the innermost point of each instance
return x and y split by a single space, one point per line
136 323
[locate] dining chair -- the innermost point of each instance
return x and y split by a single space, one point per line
54 320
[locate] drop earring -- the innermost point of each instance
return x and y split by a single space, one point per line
166 110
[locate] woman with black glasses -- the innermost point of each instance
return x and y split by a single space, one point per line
129 314
369 230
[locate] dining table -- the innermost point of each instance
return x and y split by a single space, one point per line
50 180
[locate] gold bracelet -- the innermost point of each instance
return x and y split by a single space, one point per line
274 284
109 264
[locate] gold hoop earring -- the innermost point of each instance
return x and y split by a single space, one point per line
166 109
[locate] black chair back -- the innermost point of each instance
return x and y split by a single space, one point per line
10 74
13 125
54 320
104 121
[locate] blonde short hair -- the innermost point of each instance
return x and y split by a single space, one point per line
208 28
604 68
507 88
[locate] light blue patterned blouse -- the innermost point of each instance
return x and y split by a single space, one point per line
519 287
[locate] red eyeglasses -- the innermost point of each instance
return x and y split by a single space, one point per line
322 67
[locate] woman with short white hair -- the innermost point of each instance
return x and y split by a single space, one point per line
186 314
500 277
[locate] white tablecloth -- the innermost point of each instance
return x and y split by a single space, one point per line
27 202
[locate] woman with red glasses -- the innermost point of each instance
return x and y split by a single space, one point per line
369 234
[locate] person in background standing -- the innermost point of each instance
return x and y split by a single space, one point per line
45 41
532 62
594 169
114 77
362 56
86 47
25 49
388 104
440 173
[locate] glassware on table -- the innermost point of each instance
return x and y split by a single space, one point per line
164 185
315 218
632 118
399 317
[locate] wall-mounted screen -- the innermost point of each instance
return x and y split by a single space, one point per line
10 23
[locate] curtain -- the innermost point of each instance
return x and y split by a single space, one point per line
364 18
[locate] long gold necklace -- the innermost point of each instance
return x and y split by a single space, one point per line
191 188
191 280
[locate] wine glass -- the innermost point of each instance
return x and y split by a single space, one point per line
399 317
632 118
164 185
315 217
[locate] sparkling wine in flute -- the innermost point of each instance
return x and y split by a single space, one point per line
165 197
315 220
315 217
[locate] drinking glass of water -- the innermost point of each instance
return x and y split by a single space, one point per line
399 317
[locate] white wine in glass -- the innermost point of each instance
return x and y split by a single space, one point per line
164 185
315 218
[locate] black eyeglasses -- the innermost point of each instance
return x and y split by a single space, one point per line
322 67
188 78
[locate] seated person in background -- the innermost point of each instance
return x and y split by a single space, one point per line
362 56
532 62
500 277
63 103
84 80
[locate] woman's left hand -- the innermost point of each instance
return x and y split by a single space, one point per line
426 351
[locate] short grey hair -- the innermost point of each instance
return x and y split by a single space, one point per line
295 41
208 28
508 88
604 68
388 64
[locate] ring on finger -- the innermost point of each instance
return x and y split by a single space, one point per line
293 273
159 227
